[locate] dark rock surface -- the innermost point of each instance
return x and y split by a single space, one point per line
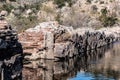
10 53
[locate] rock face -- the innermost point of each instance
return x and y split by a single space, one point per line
49 40
46 39
10 53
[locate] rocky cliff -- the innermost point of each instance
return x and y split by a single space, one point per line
10 53
49 40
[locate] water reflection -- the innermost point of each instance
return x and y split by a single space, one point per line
100 64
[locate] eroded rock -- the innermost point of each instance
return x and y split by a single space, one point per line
49 40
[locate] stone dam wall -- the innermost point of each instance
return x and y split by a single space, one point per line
49 40
10 53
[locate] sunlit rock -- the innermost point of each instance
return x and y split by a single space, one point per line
50 40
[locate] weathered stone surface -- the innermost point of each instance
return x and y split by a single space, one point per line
66 49
3 44
49 40
40 41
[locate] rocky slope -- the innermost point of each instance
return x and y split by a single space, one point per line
49 40
10 53
24 14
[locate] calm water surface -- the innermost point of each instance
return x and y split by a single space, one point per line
102 64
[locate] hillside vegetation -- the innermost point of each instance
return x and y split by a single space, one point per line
76 13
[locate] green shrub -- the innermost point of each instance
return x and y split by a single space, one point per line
89 1
101 2
61 3
107 20
58 18
35 6
104 11
7 7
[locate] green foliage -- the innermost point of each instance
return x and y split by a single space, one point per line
35 6
7 7
19 21
89 1
61 3
104 11
101 2
58 18
32 18
13 0
107 20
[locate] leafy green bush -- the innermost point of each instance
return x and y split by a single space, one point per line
89 1
7 7
35 6
107 20
61 3
58 18
104 11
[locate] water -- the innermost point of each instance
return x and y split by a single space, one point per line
102 64
89 76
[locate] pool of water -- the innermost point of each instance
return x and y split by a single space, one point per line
89 76
100 64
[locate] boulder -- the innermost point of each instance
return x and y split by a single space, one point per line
3 13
